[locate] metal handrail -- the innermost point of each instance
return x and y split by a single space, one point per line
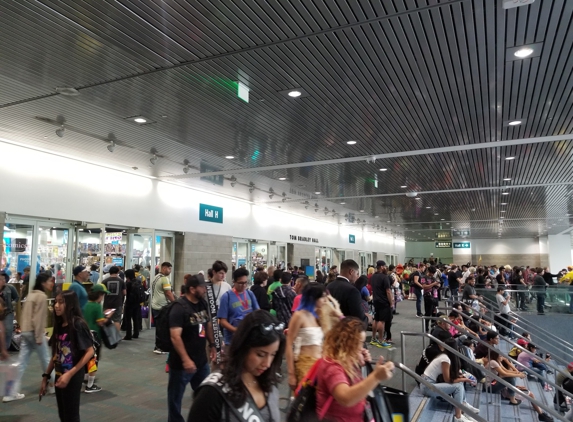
510 341
492 375
539 331
528 370
446 397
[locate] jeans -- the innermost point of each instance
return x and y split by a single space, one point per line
500 387
178 380
155 314
456 390
541 373
540 302
131 321
429 308
69 398
418 293
521 300
454 294
9 328
27 346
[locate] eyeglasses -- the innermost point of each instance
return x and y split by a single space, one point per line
242 283
266 329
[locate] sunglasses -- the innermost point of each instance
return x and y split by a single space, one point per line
266 329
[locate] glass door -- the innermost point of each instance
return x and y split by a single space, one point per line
55 249
259 256
323 259
241 257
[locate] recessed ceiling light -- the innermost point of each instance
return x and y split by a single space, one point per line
361 210
442 219
388 221
351 142
435 213
428 207
514 122
140 120
505 193
506 180
383 169
294 93
403 187
418 199
509 158
501 217
229 157
504 203
67 91
317 192
523 52
343 203
503 211
447 224
282 178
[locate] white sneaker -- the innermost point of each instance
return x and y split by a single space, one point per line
51 390
473 409
7 399
466 418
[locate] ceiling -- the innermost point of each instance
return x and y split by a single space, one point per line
426 88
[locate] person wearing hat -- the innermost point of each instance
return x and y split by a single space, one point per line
442 326
81 276
95 319
190 332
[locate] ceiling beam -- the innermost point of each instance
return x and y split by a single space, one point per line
374 157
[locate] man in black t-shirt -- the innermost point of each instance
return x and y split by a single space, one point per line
415 283
383 300
190 331
454 282
116 292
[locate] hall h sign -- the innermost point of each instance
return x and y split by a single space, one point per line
210 213
462 245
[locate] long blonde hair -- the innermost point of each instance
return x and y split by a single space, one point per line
329 314
341 344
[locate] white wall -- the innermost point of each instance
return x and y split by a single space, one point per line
559 251
425 249
85 193
505 246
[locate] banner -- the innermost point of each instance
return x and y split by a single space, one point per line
213 308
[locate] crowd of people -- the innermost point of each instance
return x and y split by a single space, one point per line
228 341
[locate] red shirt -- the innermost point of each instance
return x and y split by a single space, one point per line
331 374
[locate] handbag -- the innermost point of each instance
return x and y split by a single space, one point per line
110 336
303 407
388 404
144 312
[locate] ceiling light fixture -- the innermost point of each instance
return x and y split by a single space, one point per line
317 192
229 157
294 93
60 132
111 146
233 181
153 159
506 180
140 120
282 178
251 187
383 169
343 203
403 187
509 158
186 166
68 91
523 52
504 203
351 142
505 193
514 122
428 208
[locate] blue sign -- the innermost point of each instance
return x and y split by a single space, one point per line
351 238
24 261
210 213
462 245
118 262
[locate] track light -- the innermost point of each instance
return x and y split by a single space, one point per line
60 132
284 197
271 196
186 167
233 181
111 146
252 187
272 193
153 159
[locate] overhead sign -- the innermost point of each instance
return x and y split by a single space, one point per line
443 235
351 238
210 213
304 238
113 238
462 245
206 168
443 244
117 261
461 232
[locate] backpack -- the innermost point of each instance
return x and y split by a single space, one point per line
303 407
138 293
162 330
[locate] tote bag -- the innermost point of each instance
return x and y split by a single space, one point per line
388 404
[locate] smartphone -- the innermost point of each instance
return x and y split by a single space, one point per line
109 311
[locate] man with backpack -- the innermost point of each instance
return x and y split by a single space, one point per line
190 330
161 295
133 299
114 298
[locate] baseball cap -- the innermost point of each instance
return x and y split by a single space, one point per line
522 342
79 269
380 263
443 318
570 367
195 281
100 288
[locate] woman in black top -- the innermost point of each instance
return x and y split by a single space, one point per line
258 288
518 283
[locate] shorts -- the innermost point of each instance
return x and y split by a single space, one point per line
116 317
382 312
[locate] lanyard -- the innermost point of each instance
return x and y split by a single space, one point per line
244 302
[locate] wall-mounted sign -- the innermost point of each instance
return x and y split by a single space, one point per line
210 213
206 168
117 261
462 245
461 232
351 238
303 238
113 238
443 235
443 244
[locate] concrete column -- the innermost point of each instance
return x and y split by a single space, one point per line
559 250
2 221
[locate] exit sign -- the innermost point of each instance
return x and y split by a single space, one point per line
462 245
210 213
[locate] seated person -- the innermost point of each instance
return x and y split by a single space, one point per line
536 365
563 381
442 326
430 352
460 327
509 376
444 373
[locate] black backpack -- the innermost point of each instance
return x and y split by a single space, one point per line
137 291
162 330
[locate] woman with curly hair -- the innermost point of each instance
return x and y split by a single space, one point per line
339 374
250 376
